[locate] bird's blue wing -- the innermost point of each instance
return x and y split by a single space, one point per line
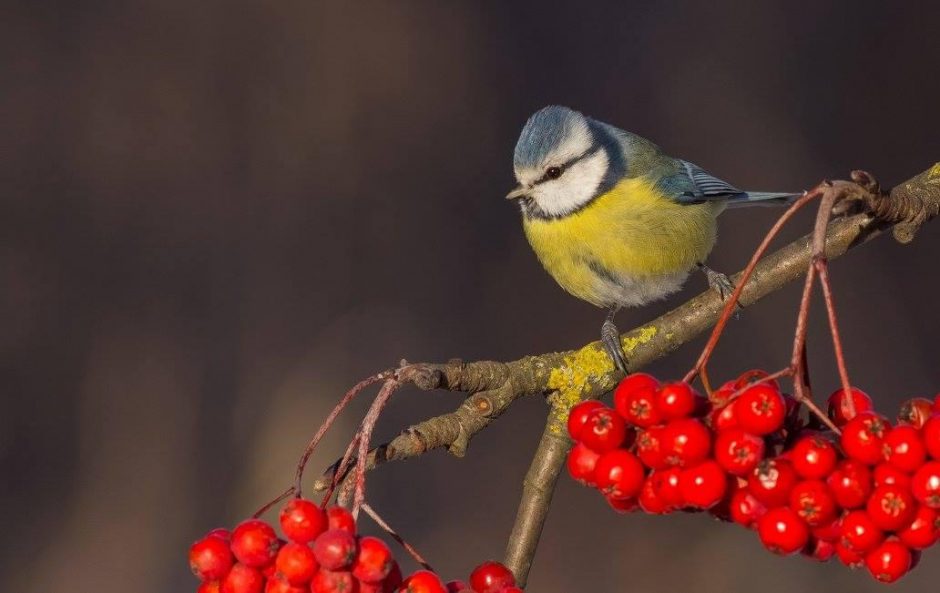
695 185
690 184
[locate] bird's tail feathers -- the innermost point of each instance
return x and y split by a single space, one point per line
762 198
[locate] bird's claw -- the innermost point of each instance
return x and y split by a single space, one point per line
610 337
719 282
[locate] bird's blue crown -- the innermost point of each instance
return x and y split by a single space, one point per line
543 133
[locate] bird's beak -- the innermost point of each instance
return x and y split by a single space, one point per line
517 193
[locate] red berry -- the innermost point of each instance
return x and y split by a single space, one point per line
456 586
819 550
724 418
924 531
622 505
891 507
851 484
813 502
242 579
221 533
374 560
859 532
209 587
926 484
619 474
302 520
738 452
829 532
771 482
889 561
581 463
761 410
650 499
269 570
491 577
886 474
839 407
744 509
849 557
863 437
704 485
686 442
296 563
578 415
666 484
814 457
649 448
639 407
335 549
754 375
394 578
630 385
254 543
210 558
340 518
904 449
931 435
676 400
782 531
915 412
276 584
328 581
423 581
603 430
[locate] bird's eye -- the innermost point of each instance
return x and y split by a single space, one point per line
554 172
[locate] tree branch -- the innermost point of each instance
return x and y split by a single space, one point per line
567 378
537 490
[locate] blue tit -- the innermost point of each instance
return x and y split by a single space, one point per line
616 222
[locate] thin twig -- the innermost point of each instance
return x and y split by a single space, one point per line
822 268
732 301
321 432
395 536
341 467
272 502
365 437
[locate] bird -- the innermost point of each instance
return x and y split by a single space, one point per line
614 220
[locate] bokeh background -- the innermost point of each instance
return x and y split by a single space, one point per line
218 215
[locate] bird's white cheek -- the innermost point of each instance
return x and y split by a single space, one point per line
573 189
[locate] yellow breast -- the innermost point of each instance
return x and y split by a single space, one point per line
633 236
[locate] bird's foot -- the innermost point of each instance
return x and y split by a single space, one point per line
610 337
718 282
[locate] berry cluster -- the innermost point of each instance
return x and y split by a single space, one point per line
322 554
868 494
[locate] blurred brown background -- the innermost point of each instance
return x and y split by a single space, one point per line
216 216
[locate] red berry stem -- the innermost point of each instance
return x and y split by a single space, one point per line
339 470
348 397
728 311
395 536
264 509
820 263
798 365
765 379
365 437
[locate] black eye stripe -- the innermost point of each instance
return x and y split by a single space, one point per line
565 165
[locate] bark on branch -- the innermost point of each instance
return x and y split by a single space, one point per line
566 378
